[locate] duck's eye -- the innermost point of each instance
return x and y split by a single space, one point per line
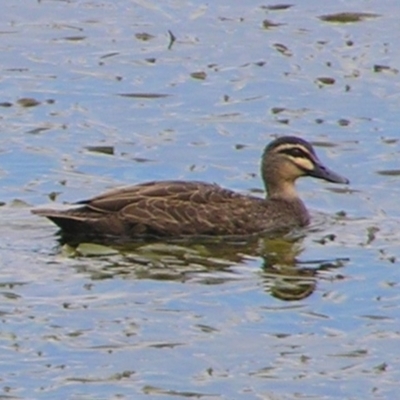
296 152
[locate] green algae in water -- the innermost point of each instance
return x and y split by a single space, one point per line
347 17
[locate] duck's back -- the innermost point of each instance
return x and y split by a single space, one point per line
176 208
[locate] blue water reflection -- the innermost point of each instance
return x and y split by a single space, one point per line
170 322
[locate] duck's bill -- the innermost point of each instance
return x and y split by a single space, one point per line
322 172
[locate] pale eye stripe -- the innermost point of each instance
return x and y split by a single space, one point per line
303 160
303 163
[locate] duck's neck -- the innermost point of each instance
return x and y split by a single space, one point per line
286 196
282 190
279 182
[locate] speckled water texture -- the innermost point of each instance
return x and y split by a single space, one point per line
97 94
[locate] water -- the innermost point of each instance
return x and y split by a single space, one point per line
312 317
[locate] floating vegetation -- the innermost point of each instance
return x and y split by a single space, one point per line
88 250
18 203
320 143
371 233
144 95
282 49
277 7
385 68
144 36
38 130
267 24
108 55
389 172
326 80
343 122
199 75
172 39
347 17
330 237
28 102
75 38
389 140
277 110
53 195
109 150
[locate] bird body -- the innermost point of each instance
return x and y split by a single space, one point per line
191 208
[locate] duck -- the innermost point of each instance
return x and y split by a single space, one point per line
174 208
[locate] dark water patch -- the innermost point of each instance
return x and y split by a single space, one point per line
144 95
74 38
109 55
38 130
389 172
322 144
153 390
277 7
112 378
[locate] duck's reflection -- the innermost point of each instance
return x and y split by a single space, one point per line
211 261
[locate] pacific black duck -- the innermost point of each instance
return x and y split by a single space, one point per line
190 208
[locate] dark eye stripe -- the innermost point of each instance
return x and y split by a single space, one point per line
295 152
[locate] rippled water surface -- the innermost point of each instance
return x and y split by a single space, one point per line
95 94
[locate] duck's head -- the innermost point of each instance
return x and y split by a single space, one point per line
288 158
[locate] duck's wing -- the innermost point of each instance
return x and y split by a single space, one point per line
166 191
168 208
